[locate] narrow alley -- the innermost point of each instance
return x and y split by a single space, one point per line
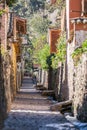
43 64
30 111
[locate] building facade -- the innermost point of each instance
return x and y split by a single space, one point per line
77 74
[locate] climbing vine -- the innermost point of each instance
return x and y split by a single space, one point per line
76 55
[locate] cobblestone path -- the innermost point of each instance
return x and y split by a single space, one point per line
30 111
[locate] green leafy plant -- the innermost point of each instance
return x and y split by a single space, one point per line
43 55
60 55
1 12
41 52
10 2
49 60
38 44
76 55
3 51
37 4
39 24
84 46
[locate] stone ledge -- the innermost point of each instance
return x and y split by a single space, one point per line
48 93
61 106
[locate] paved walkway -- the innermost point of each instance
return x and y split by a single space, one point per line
30 111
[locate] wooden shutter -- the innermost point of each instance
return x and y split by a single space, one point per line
84 7
54 35
21 26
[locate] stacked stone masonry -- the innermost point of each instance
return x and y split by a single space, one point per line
77 77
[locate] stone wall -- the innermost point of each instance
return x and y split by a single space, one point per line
2 98
6 79
43 77
19 76
56 79
60 83
39 75
46 80
77 77
70 68
3 104
5 90
80 87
